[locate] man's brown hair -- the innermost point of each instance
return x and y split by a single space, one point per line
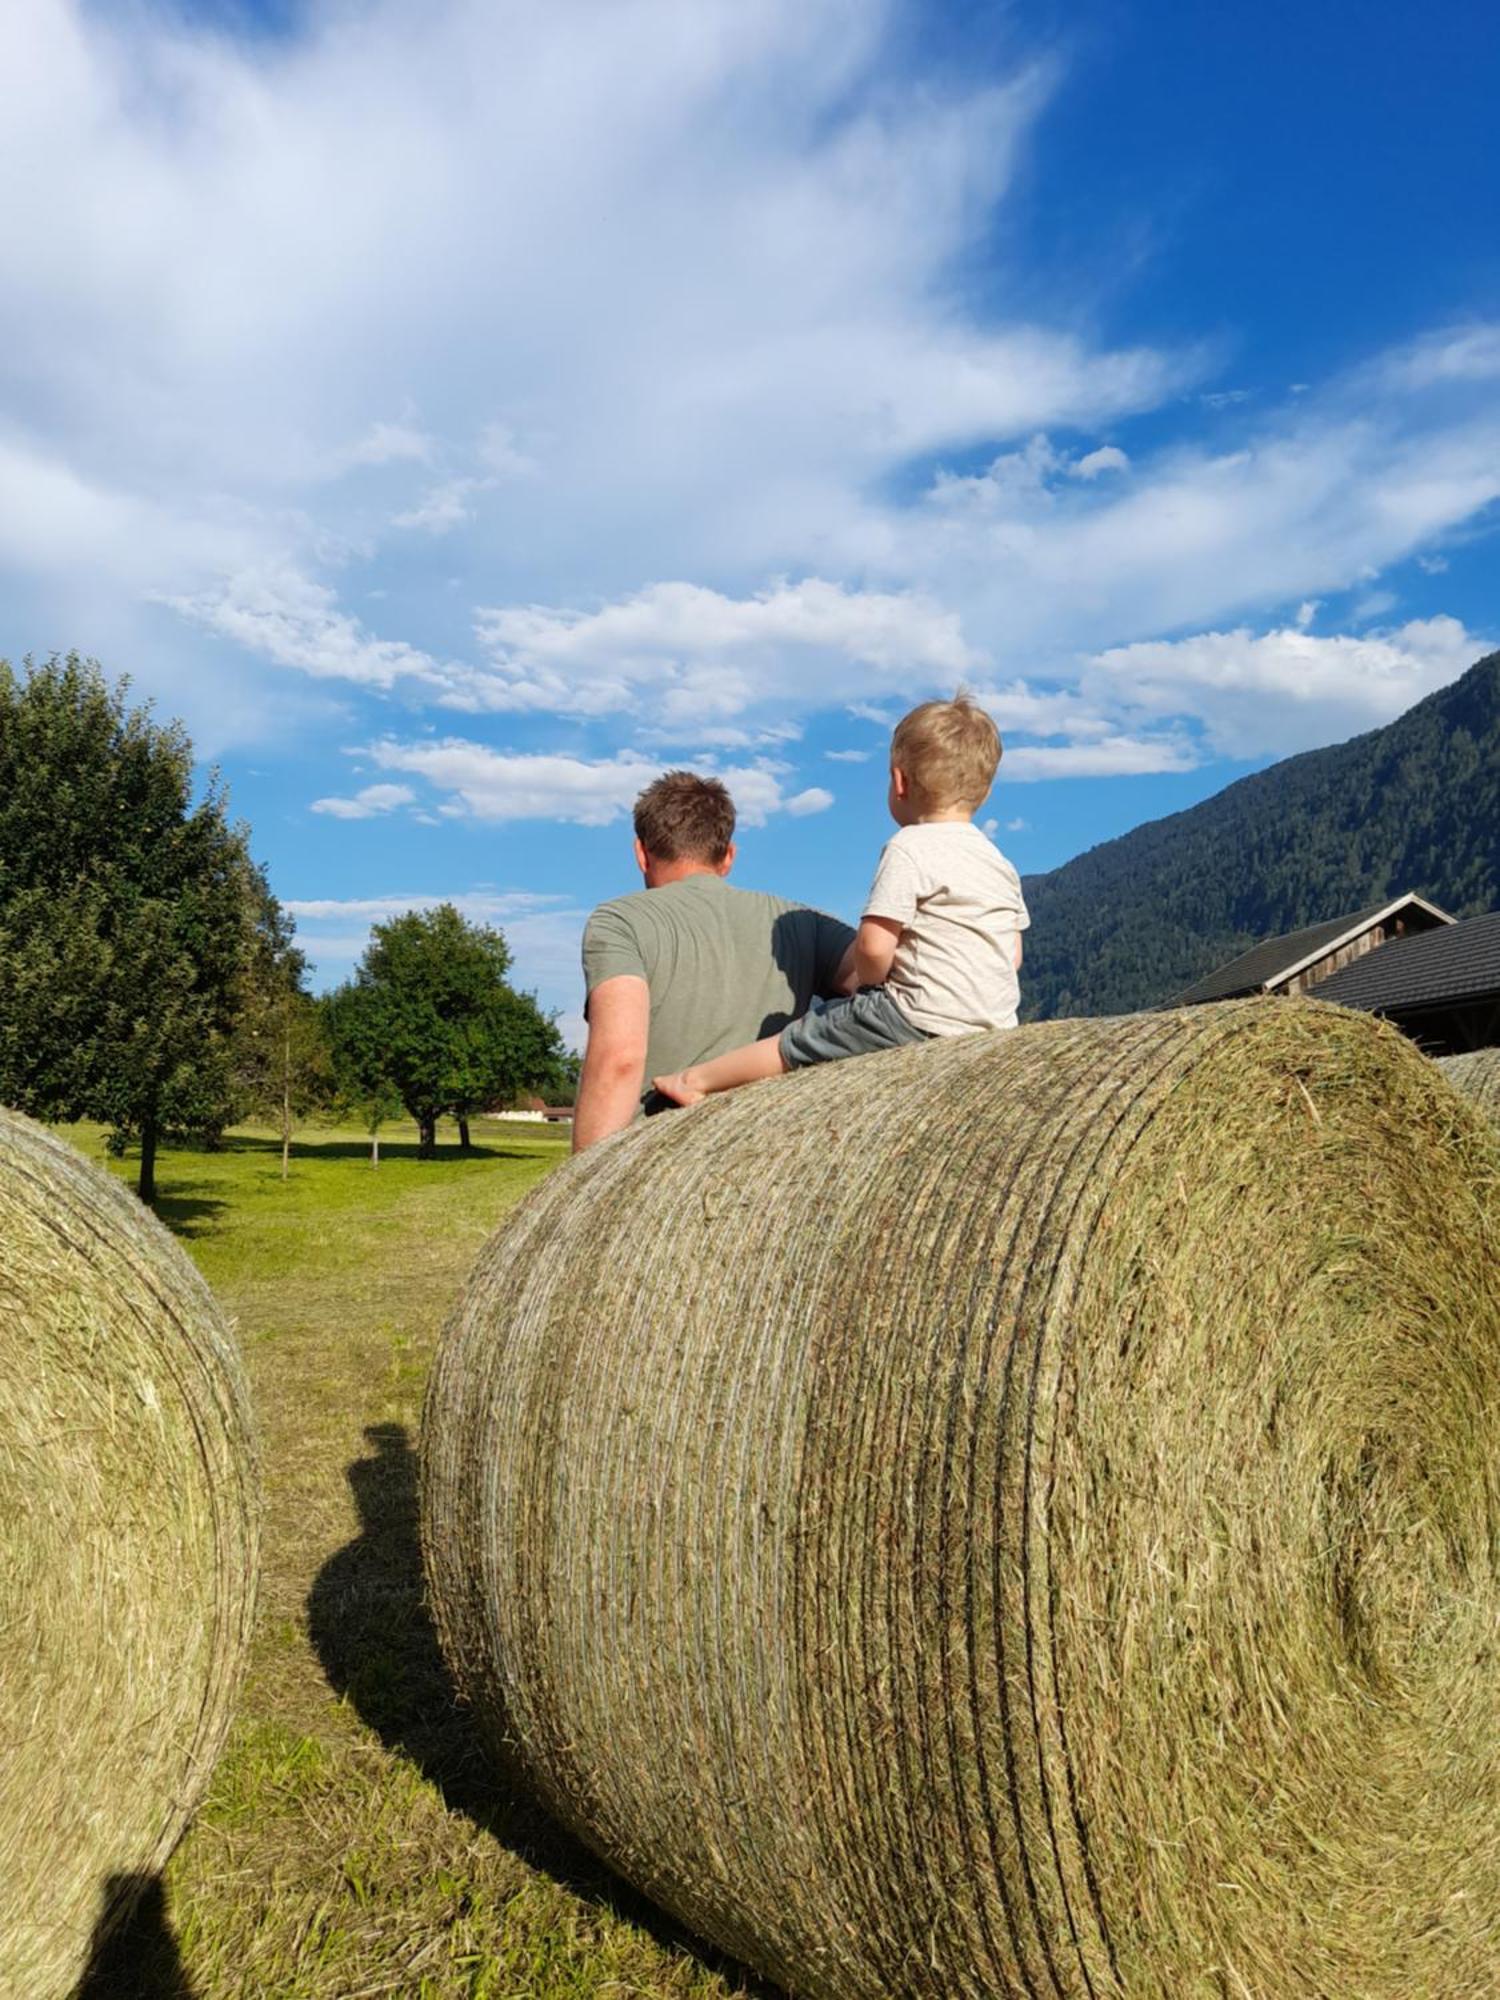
682 817
950 752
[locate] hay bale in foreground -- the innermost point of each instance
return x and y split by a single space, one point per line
1477 1076
127 1552
1017 1516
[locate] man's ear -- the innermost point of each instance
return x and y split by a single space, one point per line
727 863
642 858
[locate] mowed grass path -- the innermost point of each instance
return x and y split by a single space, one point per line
354 1842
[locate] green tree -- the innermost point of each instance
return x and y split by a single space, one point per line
438 1021
352 1022
123 911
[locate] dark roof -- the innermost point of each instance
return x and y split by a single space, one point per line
1256 968
1452 963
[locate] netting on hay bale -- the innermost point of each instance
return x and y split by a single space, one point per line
1017 1516
1477 1076
128 1542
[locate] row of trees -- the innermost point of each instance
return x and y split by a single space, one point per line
150 979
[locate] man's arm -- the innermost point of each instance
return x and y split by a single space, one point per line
614 1060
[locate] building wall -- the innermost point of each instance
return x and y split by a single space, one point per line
1405 924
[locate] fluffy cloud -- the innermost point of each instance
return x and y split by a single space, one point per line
699 653
1108 757
497 785
1284 690
368 803
290 619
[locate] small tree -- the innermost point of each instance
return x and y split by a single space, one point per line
123 935
295 1067
351 1021
437 1021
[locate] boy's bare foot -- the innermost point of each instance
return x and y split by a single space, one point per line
677 1088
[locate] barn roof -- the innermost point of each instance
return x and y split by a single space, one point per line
1456 962
1277 958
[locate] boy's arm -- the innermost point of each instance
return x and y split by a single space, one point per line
874 949
1015 950
614 1061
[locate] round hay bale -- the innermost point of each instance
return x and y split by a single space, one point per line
128 1537
1016 1516
1477 1076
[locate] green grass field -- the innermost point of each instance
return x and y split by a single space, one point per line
354 1842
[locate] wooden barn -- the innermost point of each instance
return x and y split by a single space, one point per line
1304 959
1441 987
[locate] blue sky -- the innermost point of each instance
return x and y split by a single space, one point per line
458 411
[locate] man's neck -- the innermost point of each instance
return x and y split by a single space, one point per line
661 873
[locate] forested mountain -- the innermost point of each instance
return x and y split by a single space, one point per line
1415 805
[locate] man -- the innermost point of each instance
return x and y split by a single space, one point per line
689 967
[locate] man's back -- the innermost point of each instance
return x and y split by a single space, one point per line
724 966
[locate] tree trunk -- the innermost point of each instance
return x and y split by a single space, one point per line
145 1187
426 1134
286 1106
463 1132
374 1149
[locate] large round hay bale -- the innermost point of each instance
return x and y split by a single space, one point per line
128 1534
1477 1076
1017 1516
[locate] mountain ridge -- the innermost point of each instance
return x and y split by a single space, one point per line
1412 805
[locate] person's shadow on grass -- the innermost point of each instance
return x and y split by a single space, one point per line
134 1955
369 1623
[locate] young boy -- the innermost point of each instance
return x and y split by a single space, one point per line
939 945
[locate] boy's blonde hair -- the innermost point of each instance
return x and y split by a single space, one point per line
950 752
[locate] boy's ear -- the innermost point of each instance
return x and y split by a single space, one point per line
900 783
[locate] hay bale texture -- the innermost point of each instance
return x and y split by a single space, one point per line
128 1536
1478 1077
1016 1516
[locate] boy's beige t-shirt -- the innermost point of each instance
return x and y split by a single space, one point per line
959 904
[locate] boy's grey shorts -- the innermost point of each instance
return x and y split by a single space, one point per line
862 1025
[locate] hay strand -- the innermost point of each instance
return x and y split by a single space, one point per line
1016 1516
127 1552
1478 1076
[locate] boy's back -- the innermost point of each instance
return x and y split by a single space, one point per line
959 903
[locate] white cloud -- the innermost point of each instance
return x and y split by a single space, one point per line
814 800
1108 458
479 905
847 756
1017 826
699 653
368 803
498 785
1278 691
1109 757
286 617
442 507
388 444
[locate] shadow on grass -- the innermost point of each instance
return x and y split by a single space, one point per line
375 1639
188 1215
135 1958
359 1148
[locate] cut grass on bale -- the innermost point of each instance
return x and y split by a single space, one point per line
353 1842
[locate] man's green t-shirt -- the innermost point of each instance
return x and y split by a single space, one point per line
724 966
